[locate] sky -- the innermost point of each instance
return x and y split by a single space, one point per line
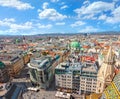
29 17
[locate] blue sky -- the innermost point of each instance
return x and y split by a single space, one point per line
29 17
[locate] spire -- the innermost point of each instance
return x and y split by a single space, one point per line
109 59
106 71
109 56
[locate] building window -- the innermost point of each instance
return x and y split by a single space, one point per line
99 90
94 86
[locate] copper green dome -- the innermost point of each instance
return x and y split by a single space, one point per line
2 65
75 44
82 49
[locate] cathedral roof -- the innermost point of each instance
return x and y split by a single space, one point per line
105 70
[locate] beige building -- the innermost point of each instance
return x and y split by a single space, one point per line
14 65
26 58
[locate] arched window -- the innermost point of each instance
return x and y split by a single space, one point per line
99 90
100 85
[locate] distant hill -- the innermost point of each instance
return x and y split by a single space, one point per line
60 34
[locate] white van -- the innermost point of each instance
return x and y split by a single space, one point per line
33 89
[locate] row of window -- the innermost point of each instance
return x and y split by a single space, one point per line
89 79
90 89
64 82
88 82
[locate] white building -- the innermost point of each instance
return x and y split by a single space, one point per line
76 77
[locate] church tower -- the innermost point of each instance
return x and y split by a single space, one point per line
106 72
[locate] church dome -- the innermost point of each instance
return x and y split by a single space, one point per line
2 65
75 44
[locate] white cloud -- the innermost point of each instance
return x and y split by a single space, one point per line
51 14
60 23
24 26
45 5
5 32
115 0
100 10
115 18
15 4
90 16
102 17
15 28
13 32
94 9
6 21
39 10
54 0
62 3
86 2
77 23
64 7
10 23
9 20
89 29
44 26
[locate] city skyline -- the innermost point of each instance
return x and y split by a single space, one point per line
23 17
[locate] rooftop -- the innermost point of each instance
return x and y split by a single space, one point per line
40 62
